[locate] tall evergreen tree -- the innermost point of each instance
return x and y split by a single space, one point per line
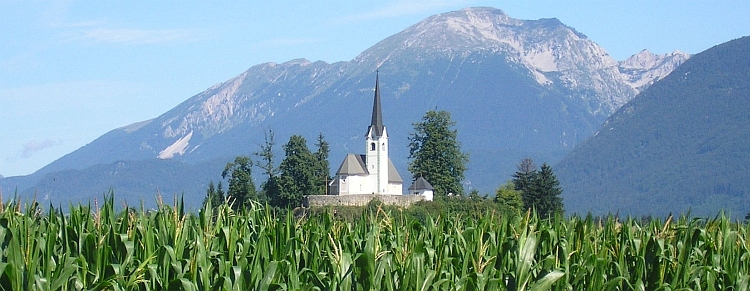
241 187
213 195
547 191
322 167
523 178
296 173
540 190
435 153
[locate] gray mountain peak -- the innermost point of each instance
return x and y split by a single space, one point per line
644 68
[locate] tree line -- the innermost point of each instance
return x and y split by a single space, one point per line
434 154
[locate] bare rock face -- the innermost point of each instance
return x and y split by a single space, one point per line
644 68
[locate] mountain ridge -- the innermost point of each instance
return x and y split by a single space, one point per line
492 85
680 146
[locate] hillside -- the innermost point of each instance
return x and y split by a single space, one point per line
516 88
681 145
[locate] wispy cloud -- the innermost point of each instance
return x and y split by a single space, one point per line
34 146
134 36
288 42
402 8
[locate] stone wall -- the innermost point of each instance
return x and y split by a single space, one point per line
359 200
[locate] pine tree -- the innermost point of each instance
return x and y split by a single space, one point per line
322 167
241 187
213 195
540 189
547 189
522 180
435 153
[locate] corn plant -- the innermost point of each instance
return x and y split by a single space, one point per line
105 247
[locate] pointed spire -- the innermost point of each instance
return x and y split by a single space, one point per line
376 126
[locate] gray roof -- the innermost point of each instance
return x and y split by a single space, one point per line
376 126
353 165
393 175
421 184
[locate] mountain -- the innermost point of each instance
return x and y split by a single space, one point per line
681 145
644 68
516 88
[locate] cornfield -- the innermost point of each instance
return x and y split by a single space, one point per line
99 248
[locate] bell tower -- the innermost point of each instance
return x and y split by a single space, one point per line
377 146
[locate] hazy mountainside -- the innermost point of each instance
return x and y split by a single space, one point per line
516 88
683 144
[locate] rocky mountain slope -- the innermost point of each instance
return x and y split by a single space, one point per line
516 88
681 145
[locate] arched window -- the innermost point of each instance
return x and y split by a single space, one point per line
372 146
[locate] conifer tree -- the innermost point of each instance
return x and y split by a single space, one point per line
322 167
547 191
213 195
522 180
435 153
540 190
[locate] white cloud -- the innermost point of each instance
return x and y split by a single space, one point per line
34 146
288 41
134 36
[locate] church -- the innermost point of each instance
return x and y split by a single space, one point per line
373 172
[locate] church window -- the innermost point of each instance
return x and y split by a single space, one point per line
372 146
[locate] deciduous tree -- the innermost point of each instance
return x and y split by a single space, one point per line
435 153
508 196
296 173
241 187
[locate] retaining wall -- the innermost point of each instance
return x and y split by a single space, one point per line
359 200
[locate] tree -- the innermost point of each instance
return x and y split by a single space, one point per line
270 187
266 154
213 195
540 190
546 188
241 187
296 173
322 167
525 174
508 196
435 153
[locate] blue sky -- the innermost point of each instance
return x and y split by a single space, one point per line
71 71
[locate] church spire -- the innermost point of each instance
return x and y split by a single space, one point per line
376 126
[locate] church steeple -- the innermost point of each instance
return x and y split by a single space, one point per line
376 126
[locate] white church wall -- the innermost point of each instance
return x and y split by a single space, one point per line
395 189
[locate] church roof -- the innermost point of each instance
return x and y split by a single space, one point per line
393 175
421 184
353 165
376 125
